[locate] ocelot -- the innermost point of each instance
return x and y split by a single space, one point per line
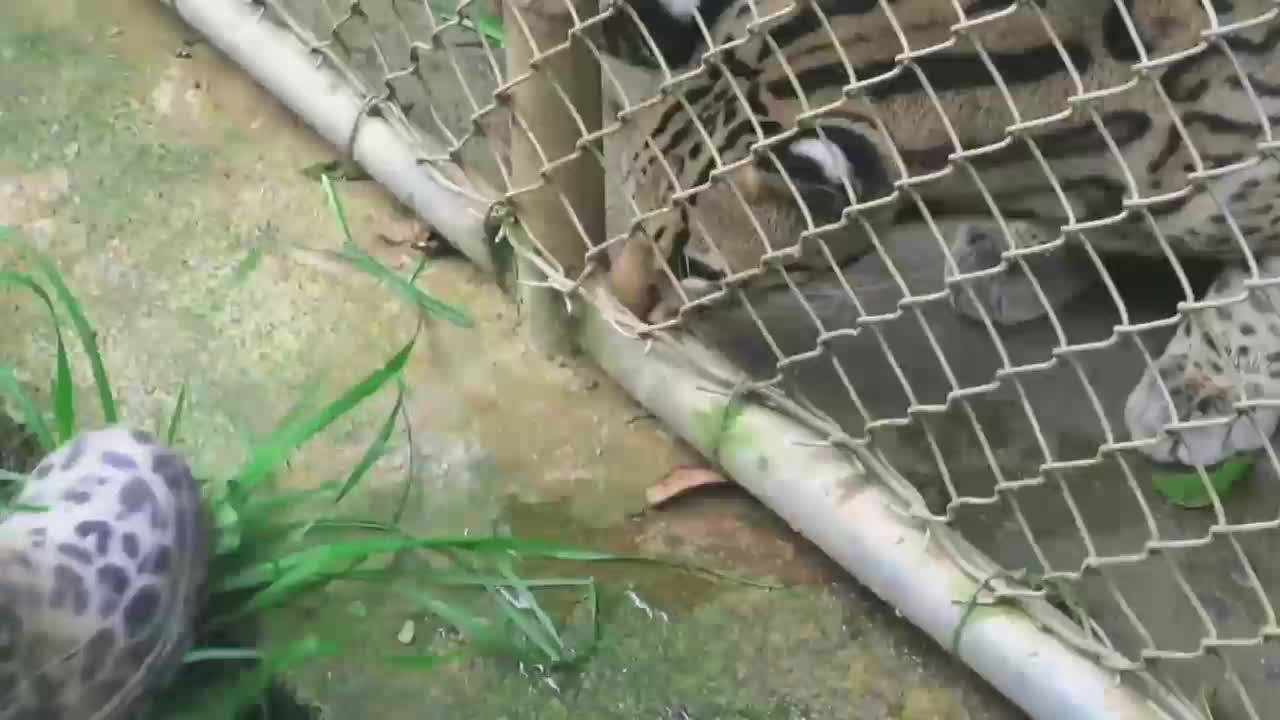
796 128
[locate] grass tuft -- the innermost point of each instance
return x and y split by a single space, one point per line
79 322
277 548
267 556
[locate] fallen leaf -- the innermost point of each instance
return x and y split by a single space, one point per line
1186 490
681 480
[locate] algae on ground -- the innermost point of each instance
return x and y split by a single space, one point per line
747 654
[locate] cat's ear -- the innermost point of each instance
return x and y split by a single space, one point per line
828 167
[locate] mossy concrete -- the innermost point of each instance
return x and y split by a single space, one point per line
168 189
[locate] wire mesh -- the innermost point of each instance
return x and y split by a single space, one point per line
1015 254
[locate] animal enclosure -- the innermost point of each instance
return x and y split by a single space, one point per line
979 295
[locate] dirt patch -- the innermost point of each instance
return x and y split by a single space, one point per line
29 199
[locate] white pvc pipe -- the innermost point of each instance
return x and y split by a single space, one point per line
827 497
279 62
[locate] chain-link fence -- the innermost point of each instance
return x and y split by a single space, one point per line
974 249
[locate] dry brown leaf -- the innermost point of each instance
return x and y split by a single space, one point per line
680 481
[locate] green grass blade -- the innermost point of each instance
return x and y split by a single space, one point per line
406 486
306 577
530 629
88 338
286 577
499 546
305 402
64 395
422 265
273 452
593 644
326 553
64 412
526 597
261 575
220 655
174 419
22 507
463 579
270 518
481 635
490 27
375 449
266 535
227 522
541 636
465 622
309 559
31 416
252 259
359 549
313 571
275 503
366 263
339 169
340 523
254 683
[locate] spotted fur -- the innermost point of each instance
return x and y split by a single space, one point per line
99 591
785 145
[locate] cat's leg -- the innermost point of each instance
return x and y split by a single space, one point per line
1218 357
1009 296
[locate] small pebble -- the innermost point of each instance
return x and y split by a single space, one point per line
406 633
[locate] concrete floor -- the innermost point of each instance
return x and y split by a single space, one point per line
1069 426
150 169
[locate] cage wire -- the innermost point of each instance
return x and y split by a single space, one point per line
1009 444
